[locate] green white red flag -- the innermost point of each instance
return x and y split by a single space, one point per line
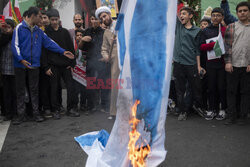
12 11
219 47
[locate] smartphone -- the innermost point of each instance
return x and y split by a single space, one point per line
2 18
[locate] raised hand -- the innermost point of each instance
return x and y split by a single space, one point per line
69 55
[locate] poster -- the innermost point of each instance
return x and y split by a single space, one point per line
112 4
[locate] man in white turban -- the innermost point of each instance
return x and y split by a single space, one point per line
109 53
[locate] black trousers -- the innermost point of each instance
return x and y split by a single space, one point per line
32 76
55 84
239 78
184 74
9 94
204 92
217 88
80 90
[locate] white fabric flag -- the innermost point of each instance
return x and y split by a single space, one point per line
145 37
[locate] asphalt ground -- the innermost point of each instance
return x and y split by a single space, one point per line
191 143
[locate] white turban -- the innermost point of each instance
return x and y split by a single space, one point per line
101 10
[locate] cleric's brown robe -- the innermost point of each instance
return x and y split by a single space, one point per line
109 51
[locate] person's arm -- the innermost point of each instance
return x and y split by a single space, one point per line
70 47
228 41
203 45
197 43
228 17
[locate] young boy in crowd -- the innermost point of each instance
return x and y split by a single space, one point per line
186 67
80 89
237 59
7 70
58 67
215 67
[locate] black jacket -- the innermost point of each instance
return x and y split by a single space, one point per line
93 49
63 39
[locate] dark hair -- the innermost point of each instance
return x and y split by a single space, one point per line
218 10
44 12
206 19
33 10
10 22
53 13
25 13
79 30
243 3
188 9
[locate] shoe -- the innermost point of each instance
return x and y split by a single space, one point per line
39 118
201 112
82 108
57 115
103 110
62 110
47 114
73 113
230 121
19 120
221 115
210 115
110 117
182 116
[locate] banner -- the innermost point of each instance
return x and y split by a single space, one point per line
145 37
112 4
79 73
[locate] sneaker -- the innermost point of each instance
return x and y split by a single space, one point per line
47 114
110 117
19 120
39 118
210 115
62 110
57 115
182 116
73 113
221 115
201 112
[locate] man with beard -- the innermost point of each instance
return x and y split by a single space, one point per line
78 21
109 53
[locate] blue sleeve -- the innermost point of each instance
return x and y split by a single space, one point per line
51 45
15 45
228 17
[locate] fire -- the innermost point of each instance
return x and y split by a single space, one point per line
137 153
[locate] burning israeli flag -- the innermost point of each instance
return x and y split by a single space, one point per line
146 33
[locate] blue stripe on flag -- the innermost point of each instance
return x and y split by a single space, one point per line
121 39
148 59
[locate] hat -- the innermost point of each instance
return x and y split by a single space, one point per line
101 10
53 13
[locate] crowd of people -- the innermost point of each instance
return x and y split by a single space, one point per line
38 54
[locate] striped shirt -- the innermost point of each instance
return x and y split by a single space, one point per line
237 44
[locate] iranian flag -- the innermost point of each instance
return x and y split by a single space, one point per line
11 11
219 47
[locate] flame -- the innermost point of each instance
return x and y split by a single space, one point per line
136 154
